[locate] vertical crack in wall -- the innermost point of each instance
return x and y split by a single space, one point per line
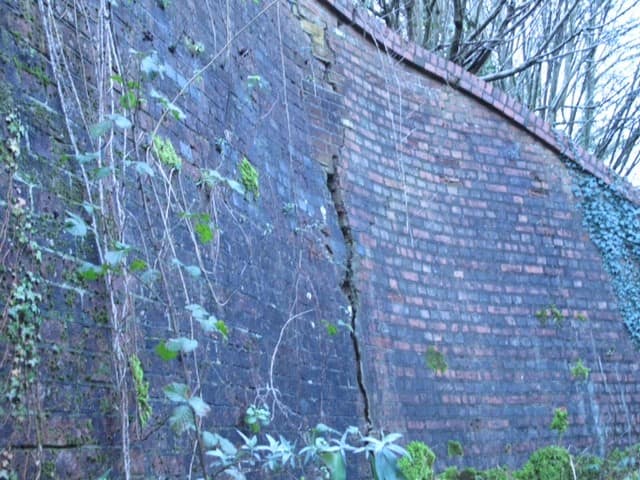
321 49
349 284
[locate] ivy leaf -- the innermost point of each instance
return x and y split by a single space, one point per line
114 257
204 232
87 157
150 276
175 111
102 172
221 326
182 344
90 272
138 265
181 419
75 225
151 65
98 129
120 121
176 392
199 406
164 353
143 168
209 439
192 270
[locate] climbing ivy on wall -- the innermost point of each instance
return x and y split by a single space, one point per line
613 223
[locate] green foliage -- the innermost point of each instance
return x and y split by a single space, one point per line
550 314
613 223
130 98
435 360
171 108
589 467
332 330
142 390
194 47
549 463
210 178
451 473
166 153
257 417
383 455
560 421
23 334
622 464
454 449
249 177
579 371
418 463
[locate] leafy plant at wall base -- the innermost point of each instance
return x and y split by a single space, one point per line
454 449
142 390
579 371
451 473
166 153
249 177
435 360
549 463
257 417
383 455
418 464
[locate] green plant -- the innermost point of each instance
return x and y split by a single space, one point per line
579 371
560 421
589 467
549 463
435 360
195 48
451 473
163 4
418 463
23 333
142 390
249 177
383 455
166 153
257 417
454 449
551 313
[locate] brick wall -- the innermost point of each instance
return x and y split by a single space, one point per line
399 198
467 231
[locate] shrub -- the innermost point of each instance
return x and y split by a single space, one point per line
548 463
418 464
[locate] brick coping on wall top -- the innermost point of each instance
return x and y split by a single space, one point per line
455 76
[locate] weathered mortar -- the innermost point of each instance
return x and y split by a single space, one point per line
416 210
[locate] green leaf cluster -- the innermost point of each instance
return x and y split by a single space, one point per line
166 153
142 390
249 177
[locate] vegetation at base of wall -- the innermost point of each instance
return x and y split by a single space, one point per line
418 465
547 463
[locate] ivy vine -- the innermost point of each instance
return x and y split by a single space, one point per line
613 223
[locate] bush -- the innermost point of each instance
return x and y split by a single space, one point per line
623 464
548 463
588 467
418 465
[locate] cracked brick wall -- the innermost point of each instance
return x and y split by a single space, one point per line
399 197
465 233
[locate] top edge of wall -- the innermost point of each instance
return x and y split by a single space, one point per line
455 76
